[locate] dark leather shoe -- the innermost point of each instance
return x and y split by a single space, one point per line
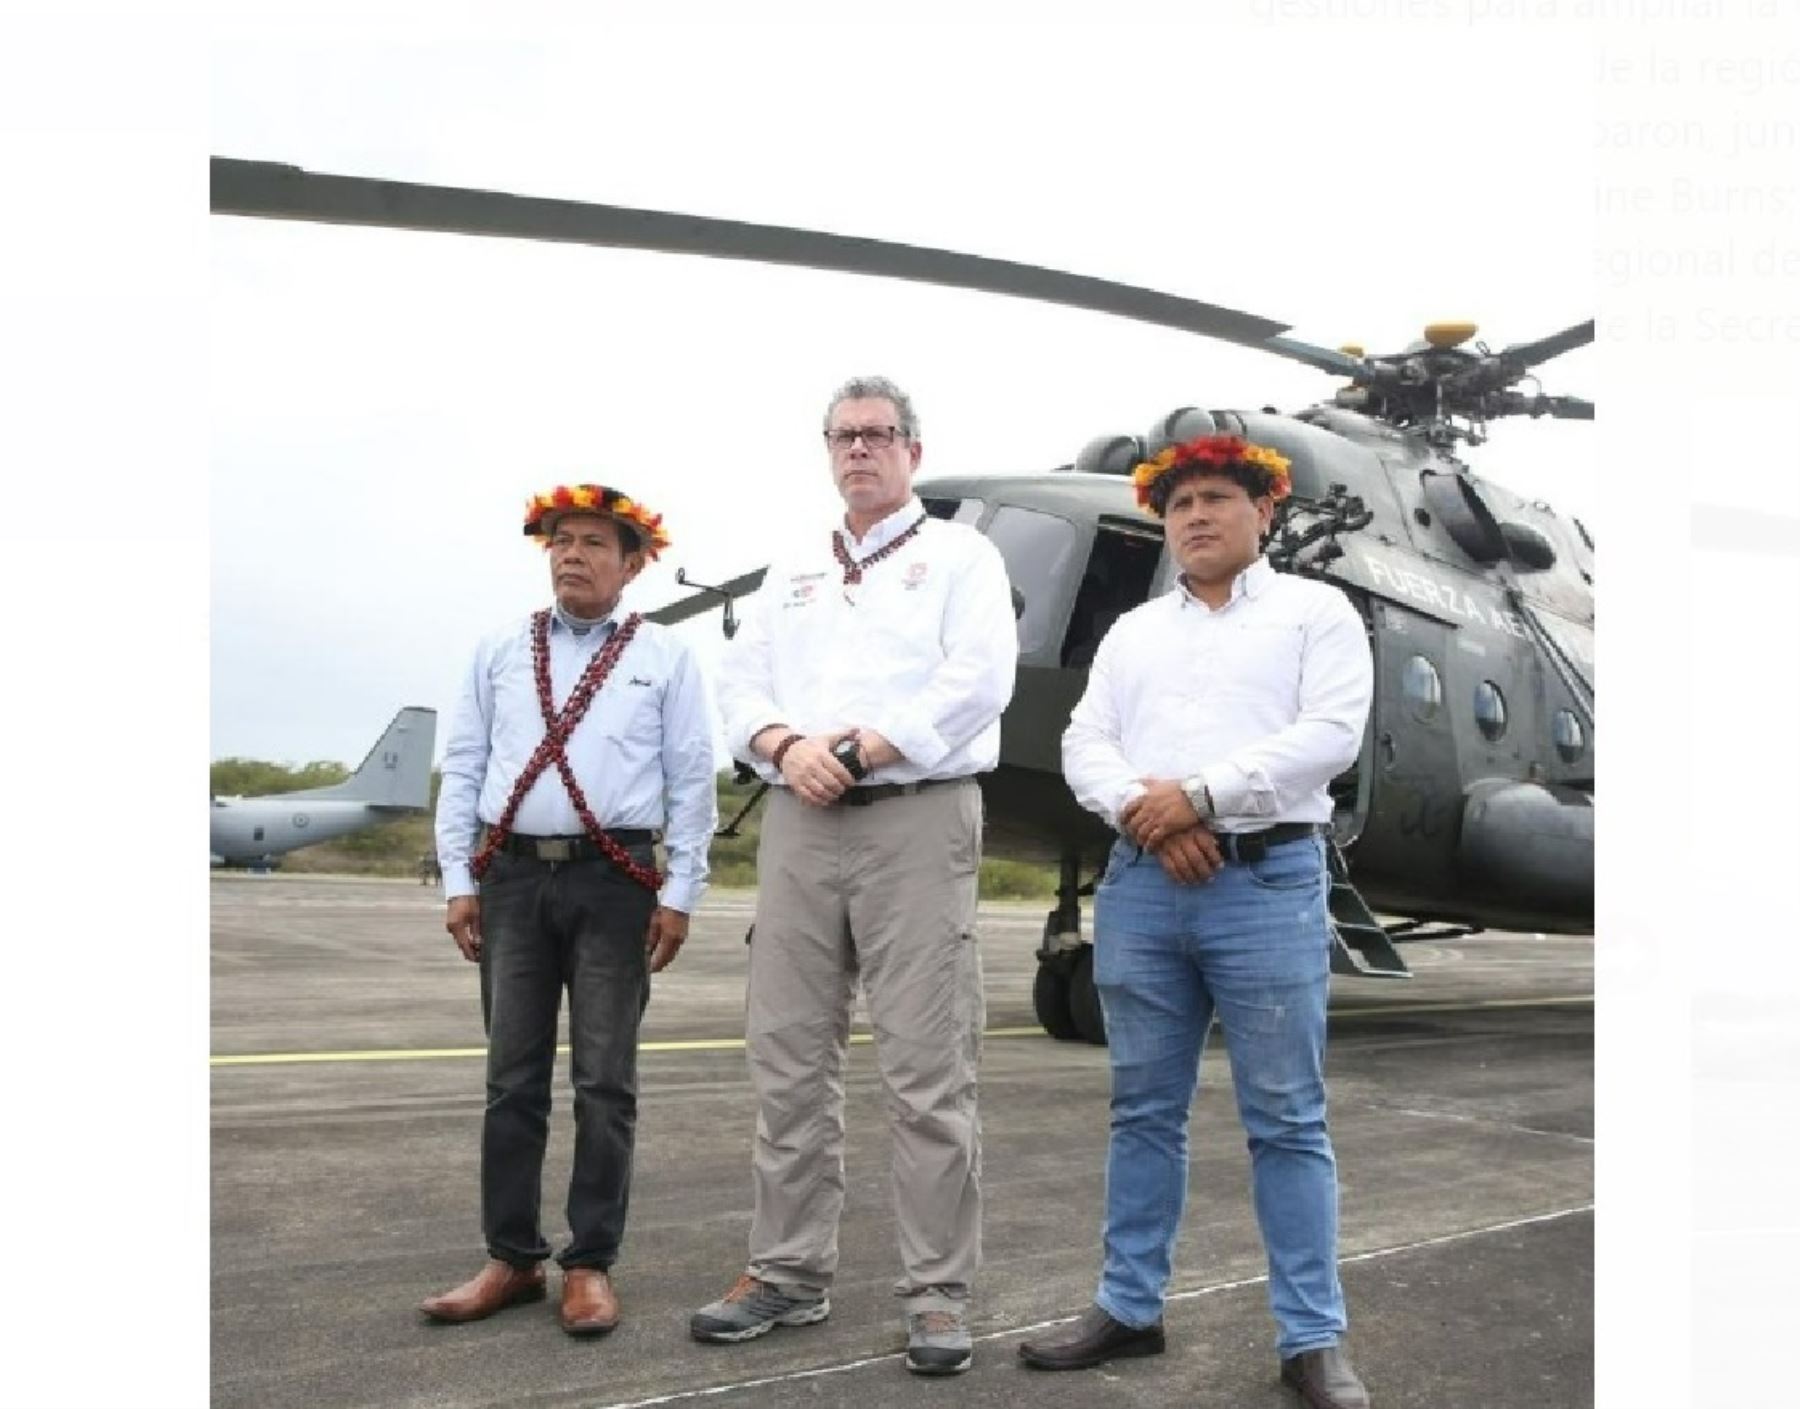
1094 1339
589 1307
494 1288
1324 1379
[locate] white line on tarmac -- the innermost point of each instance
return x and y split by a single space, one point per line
1513 1126
818 1372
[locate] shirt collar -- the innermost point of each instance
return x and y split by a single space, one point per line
1251 582
560 618
887 529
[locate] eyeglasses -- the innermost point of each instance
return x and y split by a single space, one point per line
875 437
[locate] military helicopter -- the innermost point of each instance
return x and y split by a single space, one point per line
1471 803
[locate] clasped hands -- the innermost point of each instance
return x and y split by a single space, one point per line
1164 823
668 931
808 768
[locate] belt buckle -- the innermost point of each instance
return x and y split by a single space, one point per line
554 849
1251 848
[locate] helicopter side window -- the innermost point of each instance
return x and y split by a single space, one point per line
1040 554
967 511
1567 733
1120 572
1423 688
1490 711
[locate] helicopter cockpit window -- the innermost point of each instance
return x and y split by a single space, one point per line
1566 732
967 511
1423 687
1040 552
1490 710
1120 572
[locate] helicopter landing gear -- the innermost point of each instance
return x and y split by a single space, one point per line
1050 1001
1084 999
1063 994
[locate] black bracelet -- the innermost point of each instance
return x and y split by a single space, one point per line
782 748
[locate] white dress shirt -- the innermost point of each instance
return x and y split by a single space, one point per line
642 753
1265 698
923 649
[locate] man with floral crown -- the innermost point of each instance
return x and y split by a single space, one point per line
580 734
1214 718
867 686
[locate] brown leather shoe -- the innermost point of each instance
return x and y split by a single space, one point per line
496 1287
1325 1379
589 1307
1092 1340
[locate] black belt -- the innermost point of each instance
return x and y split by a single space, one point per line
573 848
862 797
1251 847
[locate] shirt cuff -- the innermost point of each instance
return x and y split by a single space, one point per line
458 882
743 751
1235 793
919 744
1133 791
681 895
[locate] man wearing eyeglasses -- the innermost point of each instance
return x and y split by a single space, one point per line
867 686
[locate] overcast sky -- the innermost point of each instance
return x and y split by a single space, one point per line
384 402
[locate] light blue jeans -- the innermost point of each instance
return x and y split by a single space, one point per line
1252 945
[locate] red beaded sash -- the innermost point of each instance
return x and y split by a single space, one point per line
853 570
558 726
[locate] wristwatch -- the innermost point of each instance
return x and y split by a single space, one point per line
1194 785
848 751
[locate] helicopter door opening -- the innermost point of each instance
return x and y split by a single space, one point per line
1121 569
1350 789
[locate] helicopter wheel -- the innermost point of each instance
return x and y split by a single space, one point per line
1050 1000
1084 1000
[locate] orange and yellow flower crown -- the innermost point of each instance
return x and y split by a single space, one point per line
595 499
1214 452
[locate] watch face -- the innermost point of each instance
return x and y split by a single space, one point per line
848 754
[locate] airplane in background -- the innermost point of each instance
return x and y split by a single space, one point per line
394 779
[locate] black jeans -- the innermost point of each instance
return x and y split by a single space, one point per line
546 926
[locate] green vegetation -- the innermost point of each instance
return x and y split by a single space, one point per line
394 848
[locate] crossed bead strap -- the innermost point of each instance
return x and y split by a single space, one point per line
853 570
558 726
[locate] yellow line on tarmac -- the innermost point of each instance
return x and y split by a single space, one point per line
736 1044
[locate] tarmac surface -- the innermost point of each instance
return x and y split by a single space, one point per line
347 1094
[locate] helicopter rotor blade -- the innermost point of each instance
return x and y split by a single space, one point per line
1568 408
1528 354
1339 364
1562 408
740 586
272 190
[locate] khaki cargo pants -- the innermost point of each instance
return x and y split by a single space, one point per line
884 894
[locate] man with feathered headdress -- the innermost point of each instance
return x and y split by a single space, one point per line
1214 718
581 733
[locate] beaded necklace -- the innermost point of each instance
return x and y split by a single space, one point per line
853 570
558 726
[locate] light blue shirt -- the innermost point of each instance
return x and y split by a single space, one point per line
643 753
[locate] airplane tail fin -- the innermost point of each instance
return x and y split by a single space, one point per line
397 771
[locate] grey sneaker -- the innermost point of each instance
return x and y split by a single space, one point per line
937 1343
752 1308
